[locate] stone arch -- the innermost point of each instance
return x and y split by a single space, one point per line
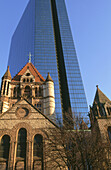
24 125
39 132
4 146
6 132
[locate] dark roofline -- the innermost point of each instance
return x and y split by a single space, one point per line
33 107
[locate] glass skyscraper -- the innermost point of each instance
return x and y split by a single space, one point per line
44 31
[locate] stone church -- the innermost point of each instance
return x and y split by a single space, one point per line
27 105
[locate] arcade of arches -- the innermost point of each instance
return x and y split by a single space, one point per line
16 154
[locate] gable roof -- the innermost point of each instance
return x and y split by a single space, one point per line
33 70
100 97
18 102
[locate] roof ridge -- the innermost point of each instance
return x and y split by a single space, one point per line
33 71
103 95
19 71
100 97
40 76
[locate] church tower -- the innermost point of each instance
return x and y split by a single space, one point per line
28 83
100 116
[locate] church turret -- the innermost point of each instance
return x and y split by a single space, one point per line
49 98
6 79
100 114
5 90
101 106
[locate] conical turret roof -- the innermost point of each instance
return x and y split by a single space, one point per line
7 75
48 78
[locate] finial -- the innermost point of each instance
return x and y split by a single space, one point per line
97 86
30 57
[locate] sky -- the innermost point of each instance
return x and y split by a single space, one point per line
90 22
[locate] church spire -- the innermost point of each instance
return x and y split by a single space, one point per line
7 75
49 78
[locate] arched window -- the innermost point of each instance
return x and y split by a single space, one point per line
31 80
38 146
40 91
39 106
21 143
4 88
8 87
38 152
1 85
24 80
109 110
109 133
14 92
27 91
36 92
18 91
4 147
28 74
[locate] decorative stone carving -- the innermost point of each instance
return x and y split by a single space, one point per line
22 112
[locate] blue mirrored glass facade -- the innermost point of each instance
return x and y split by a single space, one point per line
44 30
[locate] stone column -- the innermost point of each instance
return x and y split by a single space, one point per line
31 154
22 91
11 92
28 155
37 91
33 91
12 156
